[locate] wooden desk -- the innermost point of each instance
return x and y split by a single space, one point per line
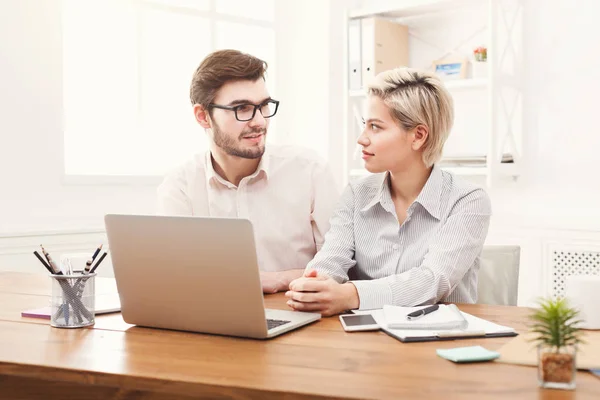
116 360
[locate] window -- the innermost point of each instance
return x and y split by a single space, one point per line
127 69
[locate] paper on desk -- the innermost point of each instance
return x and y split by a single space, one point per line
445 317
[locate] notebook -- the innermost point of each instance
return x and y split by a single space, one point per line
445 317
476 327
105 304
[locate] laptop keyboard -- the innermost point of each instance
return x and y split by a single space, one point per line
274 323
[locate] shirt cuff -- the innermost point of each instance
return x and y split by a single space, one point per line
373 294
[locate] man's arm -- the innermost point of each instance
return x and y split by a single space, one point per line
171 196
278 281
325 196
451 253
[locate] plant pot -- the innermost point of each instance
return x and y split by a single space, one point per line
479 69
557 367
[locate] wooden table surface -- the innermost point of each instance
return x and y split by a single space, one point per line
321 360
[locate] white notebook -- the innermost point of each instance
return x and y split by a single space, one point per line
477 327
445 317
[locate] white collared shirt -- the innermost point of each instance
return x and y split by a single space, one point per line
289 200
433 256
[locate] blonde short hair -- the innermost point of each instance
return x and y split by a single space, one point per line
417 97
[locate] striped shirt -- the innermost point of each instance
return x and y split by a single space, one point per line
433 256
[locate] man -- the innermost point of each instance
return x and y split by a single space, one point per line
287 193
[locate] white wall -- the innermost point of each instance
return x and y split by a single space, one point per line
562 142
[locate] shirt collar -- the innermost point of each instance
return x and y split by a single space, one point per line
382 196
429 197
211 174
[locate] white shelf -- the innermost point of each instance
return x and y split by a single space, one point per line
460 84
509 169
467 171
357 93
410 8
482 14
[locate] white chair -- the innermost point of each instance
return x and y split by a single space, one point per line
499 275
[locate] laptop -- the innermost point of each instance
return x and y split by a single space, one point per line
193 274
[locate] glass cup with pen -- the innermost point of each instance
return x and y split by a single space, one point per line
73 289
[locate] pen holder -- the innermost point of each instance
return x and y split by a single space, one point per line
73 300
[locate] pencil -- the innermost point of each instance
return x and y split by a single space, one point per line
98 263
44 263
88 263
50 261
96 252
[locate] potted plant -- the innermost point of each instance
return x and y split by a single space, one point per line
480 54
479 64
556 330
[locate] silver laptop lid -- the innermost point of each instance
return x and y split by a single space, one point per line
187 273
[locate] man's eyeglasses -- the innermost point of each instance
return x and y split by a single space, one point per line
245 112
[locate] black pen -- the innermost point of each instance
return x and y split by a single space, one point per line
44 263
423 311
98 263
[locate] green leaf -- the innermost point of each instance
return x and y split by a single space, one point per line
555 323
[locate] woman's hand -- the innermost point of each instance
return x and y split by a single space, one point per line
318 292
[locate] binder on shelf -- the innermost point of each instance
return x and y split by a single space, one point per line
384 45
354 55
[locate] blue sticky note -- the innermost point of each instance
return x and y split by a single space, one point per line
468 354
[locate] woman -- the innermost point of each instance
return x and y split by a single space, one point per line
411 234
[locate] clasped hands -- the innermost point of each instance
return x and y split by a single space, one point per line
317 292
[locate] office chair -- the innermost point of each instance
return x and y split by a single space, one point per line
499 275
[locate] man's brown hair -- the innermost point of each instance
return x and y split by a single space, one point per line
220 67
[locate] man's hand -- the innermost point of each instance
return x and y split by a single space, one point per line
273 282
318 292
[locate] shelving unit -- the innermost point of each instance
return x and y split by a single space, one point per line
495 101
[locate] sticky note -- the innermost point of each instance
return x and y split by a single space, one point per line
468 354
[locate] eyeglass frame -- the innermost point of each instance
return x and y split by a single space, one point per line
256 107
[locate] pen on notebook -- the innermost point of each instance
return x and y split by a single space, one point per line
423 311
98 263
88 263
44 263
53 265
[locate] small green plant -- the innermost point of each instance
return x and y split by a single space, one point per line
556 324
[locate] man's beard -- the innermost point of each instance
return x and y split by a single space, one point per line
231 147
